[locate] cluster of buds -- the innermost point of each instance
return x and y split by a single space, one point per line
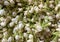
30 20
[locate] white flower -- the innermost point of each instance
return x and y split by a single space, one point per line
57 16
11 24
30 1
31 10
2 19
15 20
51 1
59 40
49 23
17 37
41 41
5 33
30 36
38 27
50 18
41 5
58 29
25 34
47 29
58 5
56 8
12 2
2 12
19 4
20 9
4 29
53 25
17 17
29 41
10 39
25 12
27 24
36 9
58 25
47 13
6 3
4 40
20 25
14 14
15 29
24 19
28 29
3 24
51 6
17 0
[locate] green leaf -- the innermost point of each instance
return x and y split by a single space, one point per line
56 33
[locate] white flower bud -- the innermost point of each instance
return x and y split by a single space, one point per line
58 5
15 20
25 34
11 24
5 33
19 4
4 29
47 29
2 19
27 24
2 12
17 37
47 13
59 40
28 29
10 39
41 5
15 29
30 1
14 14
36 9
38 28
32 19
20 9
32 10
20 26
30 36
56 8
4 40
50 18
57 16
52 41
3 24
29 41
17 17
49 23
25 12
17 0
58 29
58 25
41 41
12 2
6 3
51 6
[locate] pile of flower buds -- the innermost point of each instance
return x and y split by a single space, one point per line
30 20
